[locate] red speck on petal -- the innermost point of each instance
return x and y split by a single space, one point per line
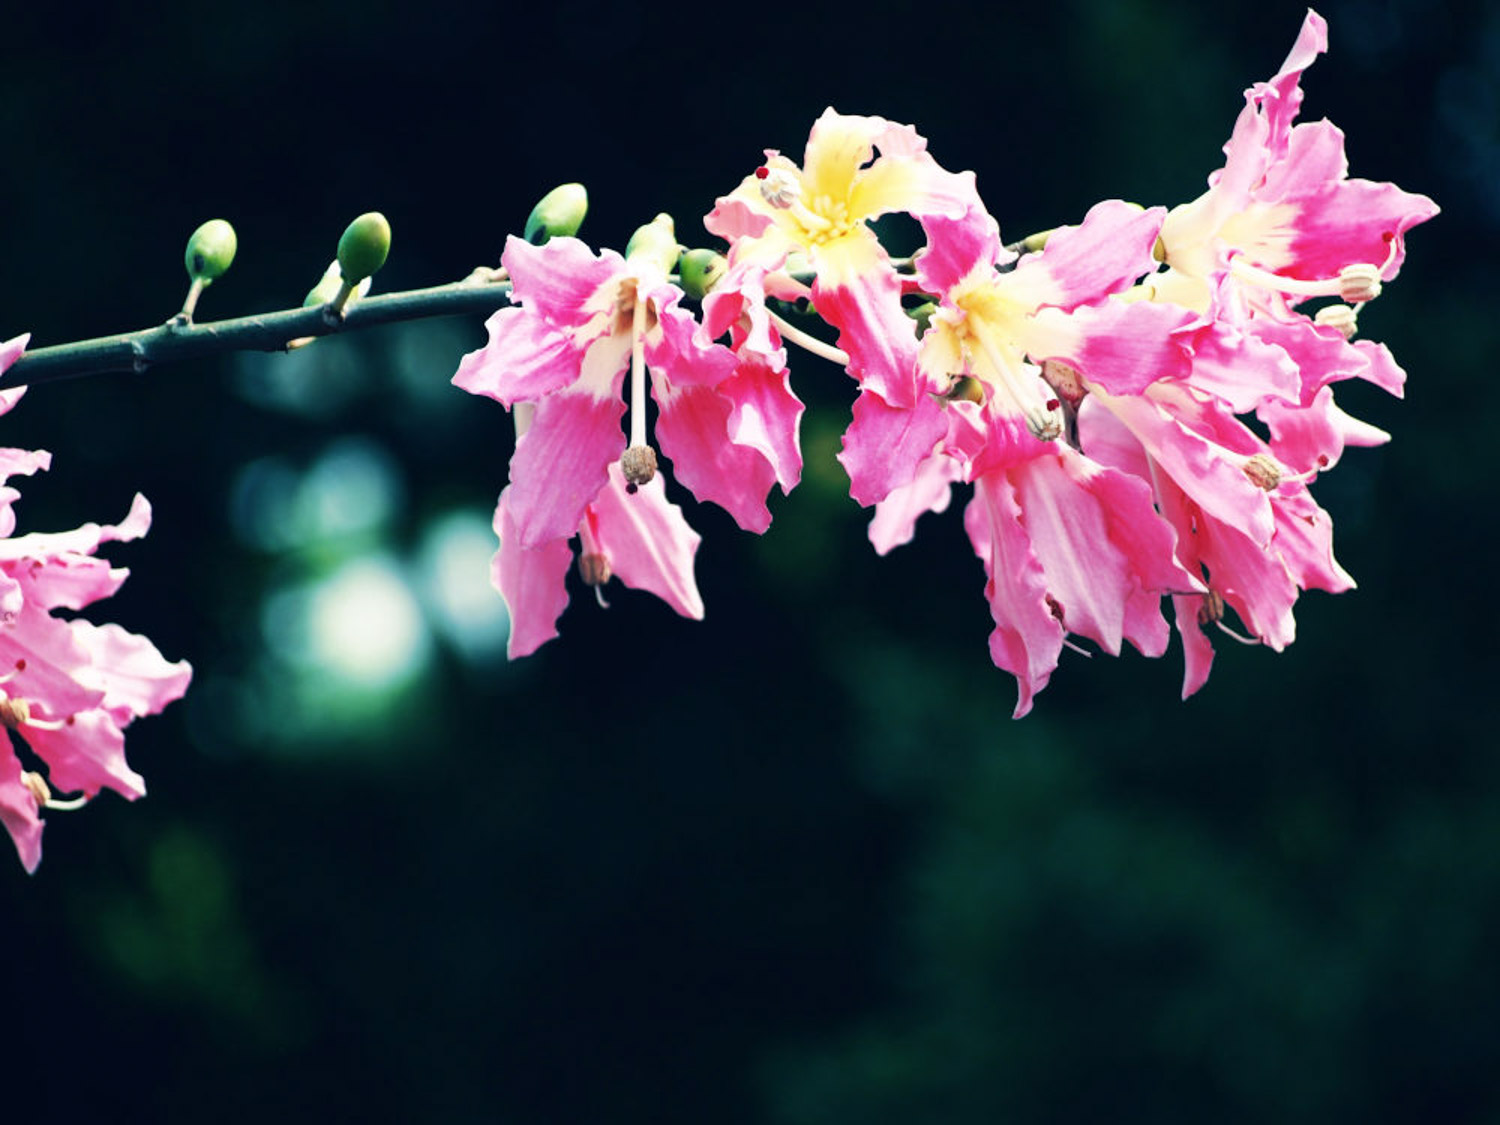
21 665
762 172
1053 404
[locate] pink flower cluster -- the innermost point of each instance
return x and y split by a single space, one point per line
68 687
1139 406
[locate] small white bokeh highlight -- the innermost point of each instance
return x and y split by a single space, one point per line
453 567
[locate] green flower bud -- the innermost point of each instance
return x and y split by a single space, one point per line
559 213
700 271
210 250
656 242
922 314
364 246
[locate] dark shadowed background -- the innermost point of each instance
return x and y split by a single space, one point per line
794 864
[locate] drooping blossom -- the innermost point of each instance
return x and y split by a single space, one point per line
630 532
581 322
817 216
68 688
1068 544
1147 382
559 359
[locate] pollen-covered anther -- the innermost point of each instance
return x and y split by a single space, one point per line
14 713
638 463
778 187
1065 380
1045 424
593 568
1344 318
1263 472
1359 283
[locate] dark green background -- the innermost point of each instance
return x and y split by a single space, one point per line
794 864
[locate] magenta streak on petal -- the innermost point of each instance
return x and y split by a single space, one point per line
879 338
1107 253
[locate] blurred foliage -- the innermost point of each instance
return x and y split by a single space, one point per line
794 864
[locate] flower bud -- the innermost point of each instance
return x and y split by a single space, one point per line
362 250
559 213
210 250
700 271
656 243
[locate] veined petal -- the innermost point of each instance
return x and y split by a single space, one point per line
959 250
1313 437
18 810
859 293
136 679
1304 541
1106 253
648 542
526 359
692 428
87 753
1350 222
1197 650
1212 475
765 415
895 518
561 462
83 540
563 281
674 347
885 444
1323 356
1027 640
532 582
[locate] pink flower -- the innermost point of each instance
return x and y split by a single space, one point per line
635 535
68 687
581 322
559 361
1281 223
820 212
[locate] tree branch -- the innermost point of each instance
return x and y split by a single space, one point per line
268 332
